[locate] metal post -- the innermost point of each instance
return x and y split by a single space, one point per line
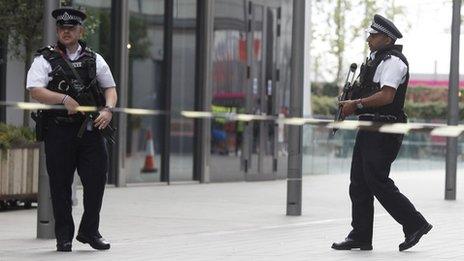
3 61
167 90
45 220
308 130
122 67
204 88
74 200
246 157
453 104
307 106
295 160
262 90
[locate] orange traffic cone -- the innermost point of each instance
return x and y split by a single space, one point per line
149 165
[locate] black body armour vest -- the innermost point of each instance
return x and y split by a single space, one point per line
368 87
63 79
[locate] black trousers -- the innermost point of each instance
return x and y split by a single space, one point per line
65 153
373 155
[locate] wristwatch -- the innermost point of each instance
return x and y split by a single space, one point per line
359 104
108 108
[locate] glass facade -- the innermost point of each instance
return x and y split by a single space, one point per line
229 88
419 151
249 57
146 47
98 26
251 60
251 70
183 88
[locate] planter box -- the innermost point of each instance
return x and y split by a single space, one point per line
19 173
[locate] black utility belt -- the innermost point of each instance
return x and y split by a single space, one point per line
379 118
66 120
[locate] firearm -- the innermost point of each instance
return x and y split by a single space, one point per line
90 95
40 124
346 92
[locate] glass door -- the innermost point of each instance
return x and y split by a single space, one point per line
144 133
263 139
246 57
230 82
183 89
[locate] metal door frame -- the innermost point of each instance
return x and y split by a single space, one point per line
262 79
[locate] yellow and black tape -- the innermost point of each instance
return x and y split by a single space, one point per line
398 128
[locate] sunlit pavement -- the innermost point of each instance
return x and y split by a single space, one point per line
246 221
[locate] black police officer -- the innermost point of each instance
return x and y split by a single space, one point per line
65 150
379 97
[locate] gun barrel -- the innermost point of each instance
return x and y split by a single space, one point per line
345 92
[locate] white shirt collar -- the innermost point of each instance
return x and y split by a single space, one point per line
75 55
372 55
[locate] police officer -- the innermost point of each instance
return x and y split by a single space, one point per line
379 97
65 149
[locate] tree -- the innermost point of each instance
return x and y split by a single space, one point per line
336 12
394 10
22 23
370 9
338 22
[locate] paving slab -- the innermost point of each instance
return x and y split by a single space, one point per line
245 221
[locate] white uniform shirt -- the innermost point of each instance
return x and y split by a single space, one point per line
391 72
37 76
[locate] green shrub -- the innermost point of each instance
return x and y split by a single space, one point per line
11 136
426 110
425 94
324 105
327 106
325 89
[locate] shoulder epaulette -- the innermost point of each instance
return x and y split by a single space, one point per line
89 52
388 56
400 55
47 49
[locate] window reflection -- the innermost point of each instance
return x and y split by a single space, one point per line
244 81
146 39
97 25
183 89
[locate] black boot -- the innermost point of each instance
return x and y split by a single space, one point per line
95 242
412 239
65 246
350 244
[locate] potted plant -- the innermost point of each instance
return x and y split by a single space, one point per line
19 165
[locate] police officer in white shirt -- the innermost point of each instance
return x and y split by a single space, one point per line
379 97
71 141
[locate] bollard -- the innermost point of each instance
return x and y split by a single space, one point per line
295 140
73 191
45 220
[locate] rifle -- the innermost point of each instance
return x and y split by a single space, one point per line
90 95
346 92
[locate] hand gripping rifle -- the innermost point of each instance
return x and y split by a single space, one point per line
346 93
93 96
90 95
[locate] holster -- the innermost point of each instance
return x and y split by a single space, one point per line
40 124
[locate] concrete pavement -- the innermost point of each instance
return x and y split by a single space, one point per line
245 221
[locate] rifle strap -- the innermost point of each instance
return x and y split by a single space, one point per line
88 119
73 70
83 126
